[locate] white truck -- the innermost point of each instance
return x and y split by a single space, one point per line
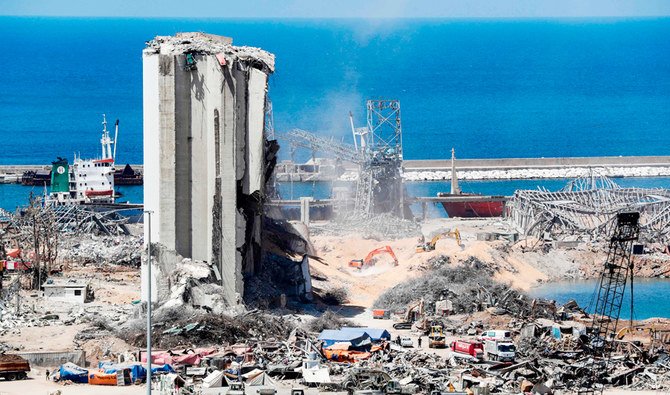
500 350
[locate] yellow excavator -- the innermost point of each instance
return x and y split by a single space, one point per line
425 247
410 316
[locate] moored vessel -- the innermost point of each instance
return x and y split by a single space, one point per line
469 205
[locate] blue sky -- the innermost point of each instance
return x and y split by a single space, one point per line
338 8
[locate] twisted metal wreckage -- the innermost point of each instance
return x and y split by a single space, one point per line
77 219
586 208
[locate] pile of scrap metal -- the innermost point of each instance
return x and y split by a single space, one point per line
346 359
586 208
77 219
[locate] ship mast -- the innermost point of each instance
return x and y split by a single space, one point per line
455 190
105 141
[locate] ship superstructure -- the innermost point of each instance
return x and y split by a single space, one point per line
89 180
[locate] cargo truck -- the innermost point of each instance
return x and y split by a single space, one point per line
500 350
13 367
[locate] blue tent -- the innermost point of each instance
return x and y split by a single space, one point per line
74 373
137 370
357 339
376 334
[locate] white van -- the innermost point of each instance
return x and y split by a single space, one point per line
496 334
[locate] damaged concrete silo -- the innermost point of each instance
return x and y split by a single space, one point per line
205 154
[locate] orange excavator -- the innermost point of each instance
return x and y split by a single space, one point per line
368 261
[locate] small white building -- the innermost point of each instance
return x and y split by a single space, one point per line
67 290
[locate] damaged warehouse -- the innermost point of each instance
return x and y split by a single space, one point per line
206 156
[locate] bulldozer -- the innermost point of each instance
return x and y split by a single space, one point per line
430 246
436 338
368 260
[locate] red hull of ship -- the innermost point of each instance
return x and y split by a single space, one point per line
474 209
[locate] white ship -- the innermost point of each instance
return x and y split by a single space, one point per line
87 181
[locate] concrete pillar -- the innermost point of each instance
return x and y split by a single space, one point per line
304 210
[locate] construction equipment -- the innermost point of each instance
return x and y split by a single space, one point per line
368 261
436 337
410 317
425 247
13 367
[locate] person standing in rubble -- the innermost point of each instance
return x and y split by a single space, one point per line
419 341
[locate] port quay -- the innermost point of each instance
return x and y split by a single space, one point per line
476 169
12 174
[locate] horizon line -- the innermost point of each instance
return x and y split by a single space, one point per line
654 16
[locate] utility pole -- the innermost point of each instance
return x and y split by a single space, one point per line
149 300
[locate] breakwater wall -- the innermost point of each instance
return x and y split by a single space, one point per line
535 168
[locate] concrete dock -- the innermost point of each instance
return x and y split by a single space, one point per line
11 174
536 163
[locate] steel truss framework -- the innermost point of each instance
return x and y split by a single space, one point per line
587 208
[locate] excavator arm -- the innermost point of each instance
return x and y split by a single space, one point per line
361 263
381 250
456 234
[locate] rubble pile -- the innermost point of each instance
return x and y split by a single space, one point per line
102 250
469 286
182 326
284 267
328 320
377 227
202 43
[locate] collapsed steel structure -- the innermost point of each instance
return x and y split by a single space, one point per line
586 208
110 220
377 151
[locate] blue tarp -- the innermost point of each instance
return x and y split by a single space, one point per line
376 334
357 339
137 369
74 373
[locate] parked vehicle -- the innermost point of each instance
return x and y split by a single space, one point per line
500 350
472 348
13 367
496 334
381 314
406 341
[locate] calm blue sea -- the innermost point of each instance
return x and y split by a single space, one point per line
489 88
647 292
